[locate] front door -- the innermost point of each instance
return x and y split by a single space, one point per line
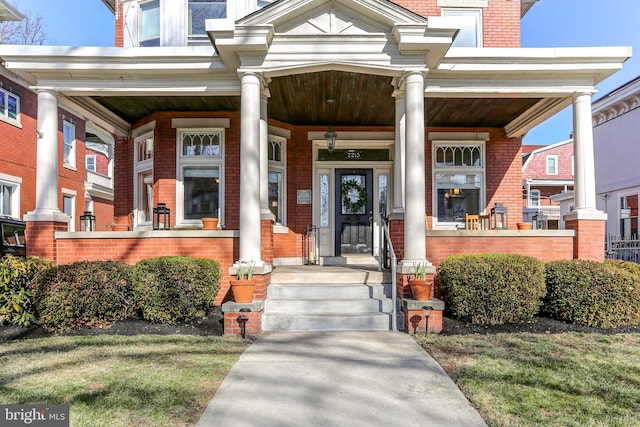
354 211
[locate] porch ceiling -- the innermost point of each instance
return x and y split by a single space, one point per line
360 100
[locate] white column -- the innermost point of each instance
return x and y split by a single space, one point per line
414 201
399 157
264 158
584 167
47 154
250 168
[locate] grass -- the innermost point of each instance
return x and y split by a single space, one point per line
111 380
523 379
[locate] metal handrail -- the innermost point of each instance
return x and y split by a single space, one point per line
385 241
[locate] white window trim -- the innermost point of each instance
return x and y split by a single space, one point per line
15 182
138 168
86 162
281 167
139 22
546 162
66 192
456 169
4 115
71 164
530 202
479 20
182 162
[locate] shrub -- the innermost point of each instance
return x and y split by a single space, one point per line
175 289
492 289
590 293
85 293
16 293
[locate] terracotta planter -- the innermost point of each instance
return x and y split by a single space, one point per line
119 227
242 290
421 290
209 223
524 225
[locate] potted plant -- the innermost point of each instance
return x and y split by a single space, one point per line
209 223
243 284
524 225
421 286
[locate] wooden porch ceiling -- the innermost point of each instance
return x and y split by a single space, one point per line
359 100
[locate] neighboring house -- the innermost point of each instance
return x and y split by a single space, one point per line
546 170
616 133
273 117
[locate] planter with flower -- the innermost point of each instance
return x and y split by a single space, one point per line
421 285
243 284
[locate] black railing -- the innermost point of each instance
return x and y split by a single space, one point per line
310 245
625 248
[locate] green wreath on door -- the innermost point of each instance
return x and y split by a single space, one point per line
351 204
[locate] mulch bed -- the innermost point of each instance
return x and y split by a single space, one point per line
213 326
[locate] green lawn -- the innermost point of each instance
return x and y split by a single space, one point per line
110 380
569 379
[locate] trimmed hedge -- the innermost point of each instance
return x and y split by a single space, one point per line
596 294
16 294
492 289
175 289
85 293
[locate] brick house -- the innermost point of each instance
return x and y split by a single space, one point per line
546 170
274 116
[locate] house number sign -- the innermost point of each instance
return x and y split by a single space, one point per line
353 154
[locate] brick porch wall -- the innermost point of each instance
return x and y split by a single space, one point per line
590 237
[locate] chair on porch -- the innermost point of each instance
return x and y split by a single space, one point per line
476 222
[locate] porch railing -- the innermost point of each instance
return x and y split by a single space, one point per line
622 248
387 258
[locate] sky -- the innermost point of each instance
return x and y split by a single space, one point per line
550 23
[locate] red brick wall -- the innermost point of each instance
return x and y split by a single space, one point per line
500 20
119 25
72 179
590 239
537 163
18 146
40 238
543 248
103 210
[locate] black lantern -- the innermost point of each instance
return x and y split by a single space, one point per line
161 217
87 221
499 217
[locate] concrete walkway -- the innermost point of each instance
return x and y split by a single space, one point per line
345 379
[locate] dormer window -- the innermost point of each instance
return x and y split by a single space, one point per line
201 10
149 31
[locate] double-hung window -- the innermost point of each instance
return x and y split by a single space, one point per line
90 160
10 195
69 141
470 23
9 106
459 181
143 184
552 165
69 206
534 198
149 24
200 11
277 173
629 216
200 175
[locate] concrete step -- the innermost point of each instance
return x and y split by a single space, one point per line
329 275
308 291
328 306
326 322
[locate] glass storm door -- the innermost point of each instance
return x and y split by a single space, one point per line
354 211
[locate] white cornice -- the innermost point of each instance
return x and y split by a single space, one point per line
616 103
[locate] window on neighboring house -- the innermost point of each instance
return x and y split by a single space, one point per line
629 216
201 10
143 175
9 105
458 180
534 198
69 140
68 207
91 162
277 173
470 23
552 165
149 31
200 172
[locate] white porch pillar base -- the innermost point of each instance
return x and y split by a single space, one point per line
47 159
585 214
250 230
414 200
